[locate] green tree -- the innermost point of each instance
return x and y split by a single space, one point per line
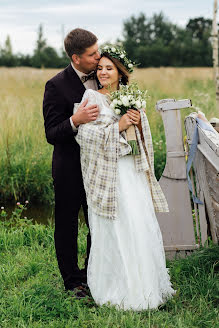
6 54
200 28
156 41
41 42
8 46
37 60
145 37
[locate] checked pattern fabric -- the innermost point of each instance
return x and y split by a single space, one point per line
101 145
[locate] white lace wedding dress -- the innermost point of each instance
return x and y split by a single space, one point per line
127 265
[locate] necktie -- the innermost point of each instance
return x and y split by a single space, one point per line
90 76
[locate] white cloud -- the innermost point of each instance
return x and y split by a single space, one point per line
104 18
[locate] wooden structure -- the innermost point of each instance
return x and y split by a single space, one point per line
215 51
206 168
176 225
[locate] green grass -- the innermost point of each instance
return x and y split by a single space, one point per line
25 156
31 289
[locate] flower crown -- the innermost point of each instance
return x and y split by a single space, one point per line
120 54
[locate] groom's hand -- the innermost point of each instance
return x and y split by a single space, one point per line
85 114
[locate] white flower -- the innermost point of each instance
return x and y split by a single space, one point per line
129 97
106 47
2 208
119 103
117 111
125 101
138 104
115 101
122 56
143 104
133 102
112 105
113 49
130 65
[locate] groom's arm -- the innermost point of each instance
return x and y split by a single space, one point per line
57 125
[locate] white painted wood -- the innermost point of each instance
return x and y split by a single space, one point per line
168 104
181 247
177 225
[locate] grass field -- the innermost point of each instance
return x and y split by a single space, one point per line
25 156
32 296
31 290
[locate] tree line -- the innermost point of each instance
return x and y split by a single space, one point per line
149 41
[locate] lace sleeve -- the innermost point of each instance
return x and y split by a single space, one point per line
88 94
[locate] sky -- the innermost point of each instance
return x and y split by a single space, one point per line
21 18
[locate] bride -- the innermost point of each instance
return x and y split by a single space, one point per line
126 265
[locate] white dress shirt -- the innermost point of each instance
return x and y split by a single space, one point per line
89 84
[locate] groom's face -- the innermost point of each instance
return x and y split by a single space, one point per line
89 60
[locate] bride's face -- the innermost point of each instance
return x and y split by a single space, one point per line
107 73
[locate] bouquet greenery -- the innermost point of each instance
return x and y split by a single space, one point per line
129 97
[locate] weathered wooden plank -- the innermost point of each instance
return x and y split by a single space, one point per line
168 104
206 166
181 247
177 225
202 219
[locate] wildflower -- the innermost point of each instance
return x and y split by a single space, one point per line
18 203
25 217
26 202
2 208
117 111
138 104
125 101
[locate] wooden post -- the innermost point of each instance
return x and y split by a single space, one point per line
215 52
176 225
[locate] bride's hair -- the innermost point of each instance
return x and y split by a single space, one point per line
121 68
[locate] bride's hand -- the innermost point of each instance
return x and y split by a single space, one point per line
124 122
134 116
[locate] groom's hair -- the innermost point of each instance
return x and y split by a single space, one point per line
78 40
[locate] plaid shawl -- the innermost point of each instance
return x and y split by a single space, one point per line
101 146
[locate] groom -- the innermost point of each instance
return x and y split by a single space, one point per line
61 93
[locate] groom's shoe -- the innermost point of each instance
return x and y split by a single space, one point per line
83 277
79 292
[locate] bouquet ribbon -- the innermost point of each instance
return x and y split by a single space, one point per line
132 140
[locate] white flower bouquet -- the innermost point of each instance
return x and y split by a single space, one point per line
129 97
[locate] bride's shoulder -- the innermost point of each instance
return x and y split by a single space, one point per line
89 94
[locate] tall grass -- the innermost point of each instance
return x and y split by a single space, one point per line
25 156
32 296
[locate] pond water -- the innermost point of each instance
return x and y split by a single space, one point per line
38 213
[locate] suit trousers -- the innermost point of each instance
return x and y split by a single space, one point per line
67 205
